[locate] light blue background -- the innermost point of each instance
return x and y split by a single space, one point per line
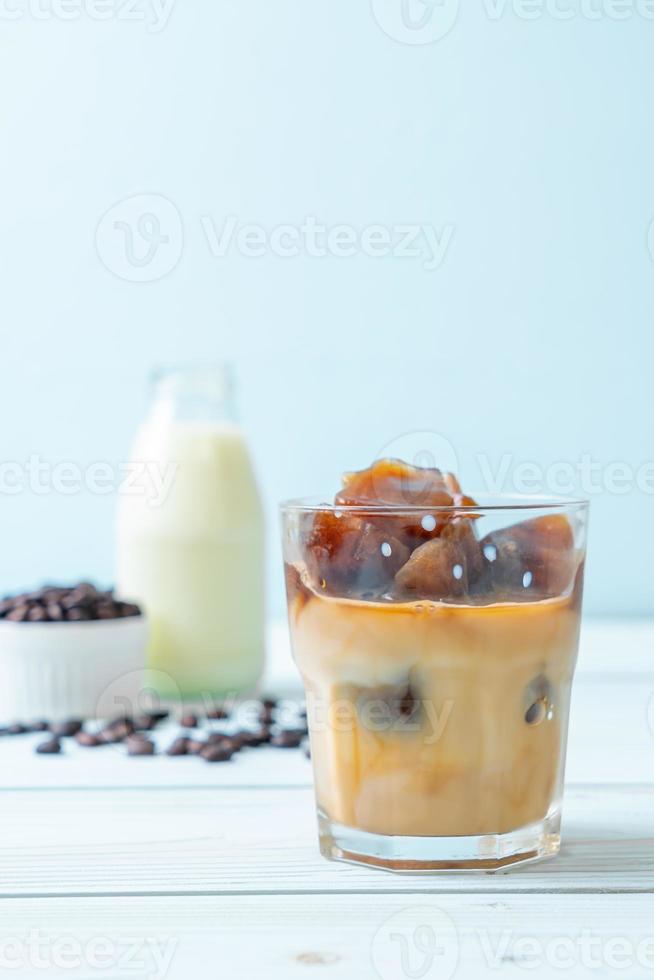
533 139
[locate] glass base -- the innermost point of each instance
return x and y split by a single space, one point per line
422 855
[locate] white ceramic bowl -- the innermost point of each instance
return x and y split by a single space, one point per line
54 671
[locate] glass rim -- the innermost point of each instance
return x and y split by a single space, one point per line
500 502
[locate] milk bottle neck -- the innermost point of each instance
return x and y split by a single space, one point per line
197 394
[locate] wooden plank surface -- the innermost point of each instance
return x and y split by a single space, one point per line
264 840
334 936
172 868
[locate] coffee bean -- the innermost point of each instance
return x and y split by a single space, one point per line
126 609
139 745
254 739
88 740
143 723
306 748
51 747
15 729
117 731
269 703
157 714
18 614
288 738
189 720
78 603
37 614
78 615
178 747
106 610
194 747
37 726
216 753
66 729
266 715
217 714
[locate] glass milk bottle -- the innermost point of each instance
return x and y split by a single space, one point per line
192 554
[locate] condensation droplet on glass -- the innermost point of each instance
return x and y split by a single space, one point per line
428 522
490 552
457 572
386 549
527 579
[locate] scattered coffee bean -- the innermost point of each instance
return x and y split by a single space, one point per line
65 729
178 747
217 714
254 739
139 745
117 731
37 726
216 753
306 748
193 747
88 740
143 723
269 703
288 738
267 715
189 720
15 729
156 714
51 747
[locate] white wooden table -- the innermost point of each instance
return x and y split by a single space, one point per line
159 867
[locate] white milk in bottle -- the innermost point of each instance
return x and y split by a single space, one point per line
192 552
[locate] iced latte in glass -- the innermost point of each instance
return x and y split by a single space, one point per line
437 636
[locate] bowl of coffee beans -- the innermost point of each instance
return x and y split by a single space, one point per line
62 646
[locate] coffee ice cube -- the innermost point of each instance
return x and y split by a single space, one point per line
445 567
345 553
538 555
